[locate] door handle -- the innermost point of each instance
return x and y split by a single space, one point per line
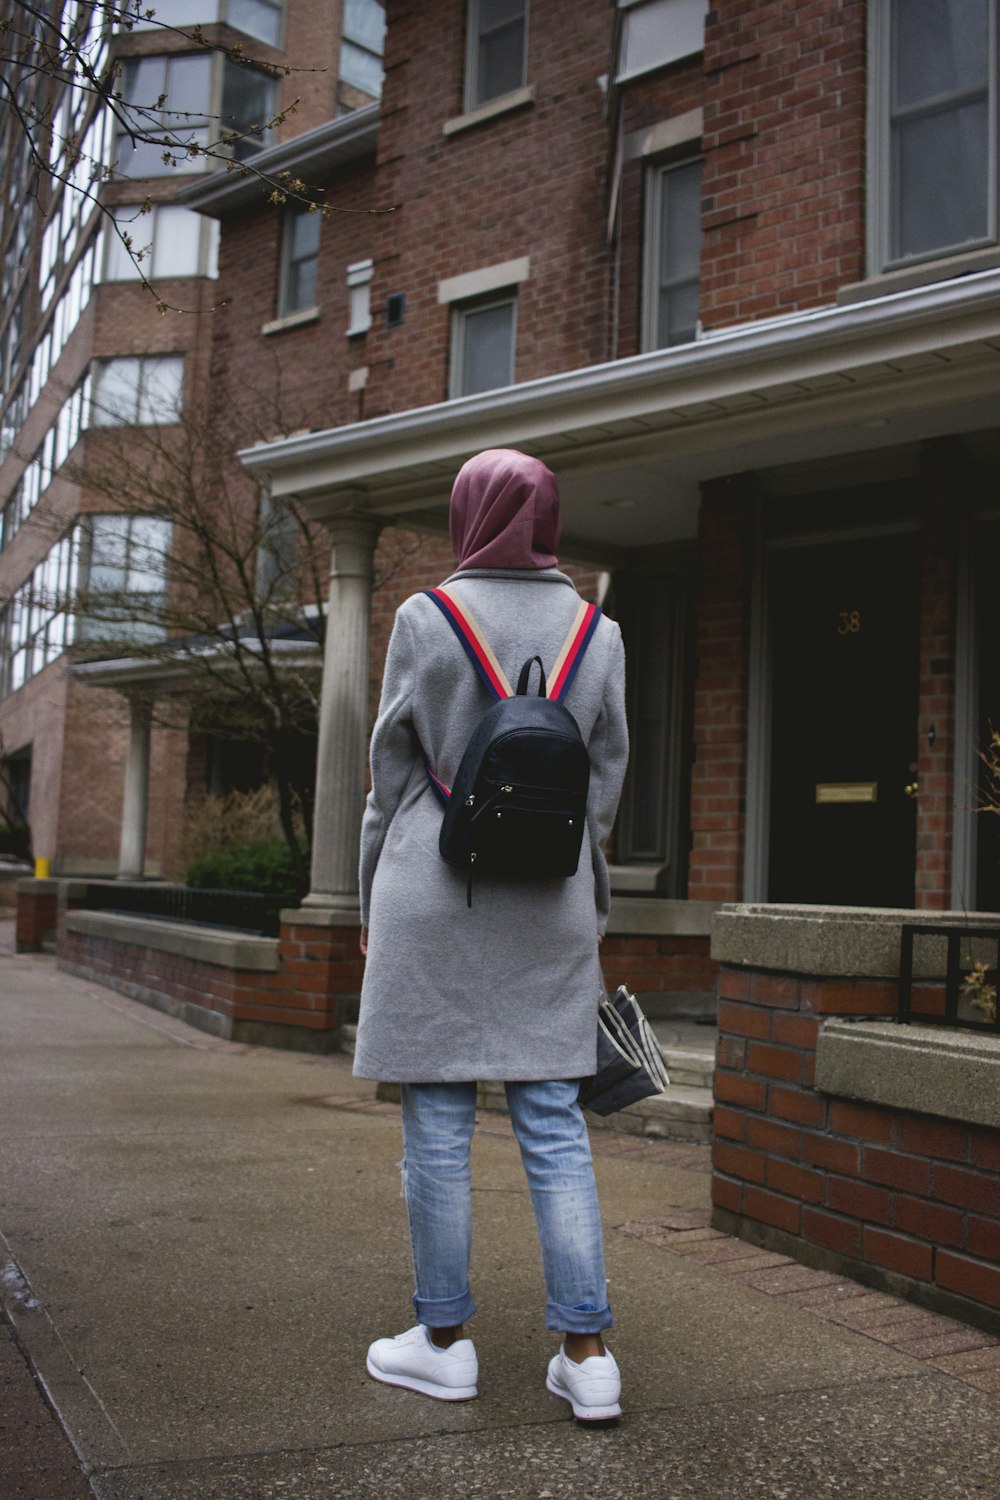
913 789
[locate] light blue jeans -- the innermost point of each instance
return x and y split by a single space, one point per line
438 1120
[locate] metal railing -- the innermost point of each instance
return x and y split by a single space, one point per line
243 911
958 1009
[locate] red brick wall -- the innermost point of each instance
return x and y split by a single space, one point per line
525 183
659 963
320 969
783 207
935 762
880 1187
37 915
720 698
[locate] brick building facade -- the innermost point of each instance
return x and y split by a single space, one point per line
703 262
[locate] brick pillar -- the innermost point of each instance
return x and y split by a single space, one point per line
37 914
935 741
720 697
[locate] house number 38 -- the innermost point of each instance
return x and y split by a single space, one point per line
850 622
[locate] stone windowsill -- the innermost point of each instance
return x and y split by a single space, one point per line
930 1069
291 320
210 945
516 99
906 278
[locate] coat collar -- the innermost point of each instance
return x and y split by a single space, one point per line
514 575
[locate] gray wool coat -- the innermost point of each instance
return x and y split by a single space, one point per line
508 989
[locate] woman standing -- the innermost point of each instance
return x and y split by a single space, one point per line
509 988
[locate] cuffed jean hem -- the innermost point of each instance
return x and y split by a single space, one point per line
577 1319
444 1312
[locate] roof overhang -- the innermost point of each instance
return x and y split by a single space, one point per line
313 156
632 440
185 669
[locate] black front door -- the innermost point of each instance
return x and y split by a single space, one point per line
844 652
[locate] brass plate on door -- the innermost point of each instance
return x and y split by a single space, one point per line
847 791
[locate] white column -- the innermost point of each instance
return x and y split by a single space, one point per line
343 725
132 852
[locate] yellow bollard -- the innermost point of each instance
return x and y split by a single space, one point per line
43 869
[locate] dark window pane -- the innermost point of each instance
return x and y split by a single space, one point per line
487 349
943 165
941 46
681 225
247 102
501 62
679 314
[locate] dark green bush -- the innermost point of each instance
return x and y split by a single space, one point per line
265 867
15 840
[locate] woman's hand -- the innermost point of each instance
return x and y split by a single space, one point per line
363 941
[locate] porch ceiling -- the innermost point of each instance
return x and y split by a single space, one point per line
632 440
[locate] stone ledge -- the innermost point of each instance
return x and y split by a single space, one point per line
346 912
930 1069
209 945
845 942
647 916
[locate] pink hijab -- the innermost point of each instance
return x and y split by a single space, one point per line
505 512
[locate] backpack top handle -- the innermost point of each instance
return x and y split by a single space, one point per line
522 681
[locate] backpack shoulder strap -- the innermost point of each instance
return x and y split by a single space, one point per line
474 643
567 663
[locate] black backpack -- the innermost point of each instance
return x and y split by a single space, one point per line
519 803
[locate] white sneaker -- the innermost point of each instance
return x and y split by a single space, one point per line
592 1387
412 1360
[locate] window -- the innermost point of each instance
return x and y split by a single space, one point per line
278 552
659 32
362 45
176 242
259 18
184 83
188 85
36 625
933 126
359 297
248 104
123 570
482 346
497 49
673 253
299 258
137 392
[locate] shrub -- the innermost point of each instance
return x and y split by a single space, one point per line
265 866
15 840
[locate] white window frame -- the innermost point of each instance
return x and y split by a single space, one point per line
205 129
118 625
142 230
98 417
291 216
656 173
690 44
460 314
881 177
473 34
359 297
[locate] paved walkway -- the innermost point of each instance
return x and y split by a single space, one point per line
201 1239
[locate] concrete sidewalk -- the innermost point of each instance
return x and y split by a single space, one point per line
202 1239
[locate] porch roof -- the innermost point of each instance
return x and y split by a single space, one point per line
631 440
